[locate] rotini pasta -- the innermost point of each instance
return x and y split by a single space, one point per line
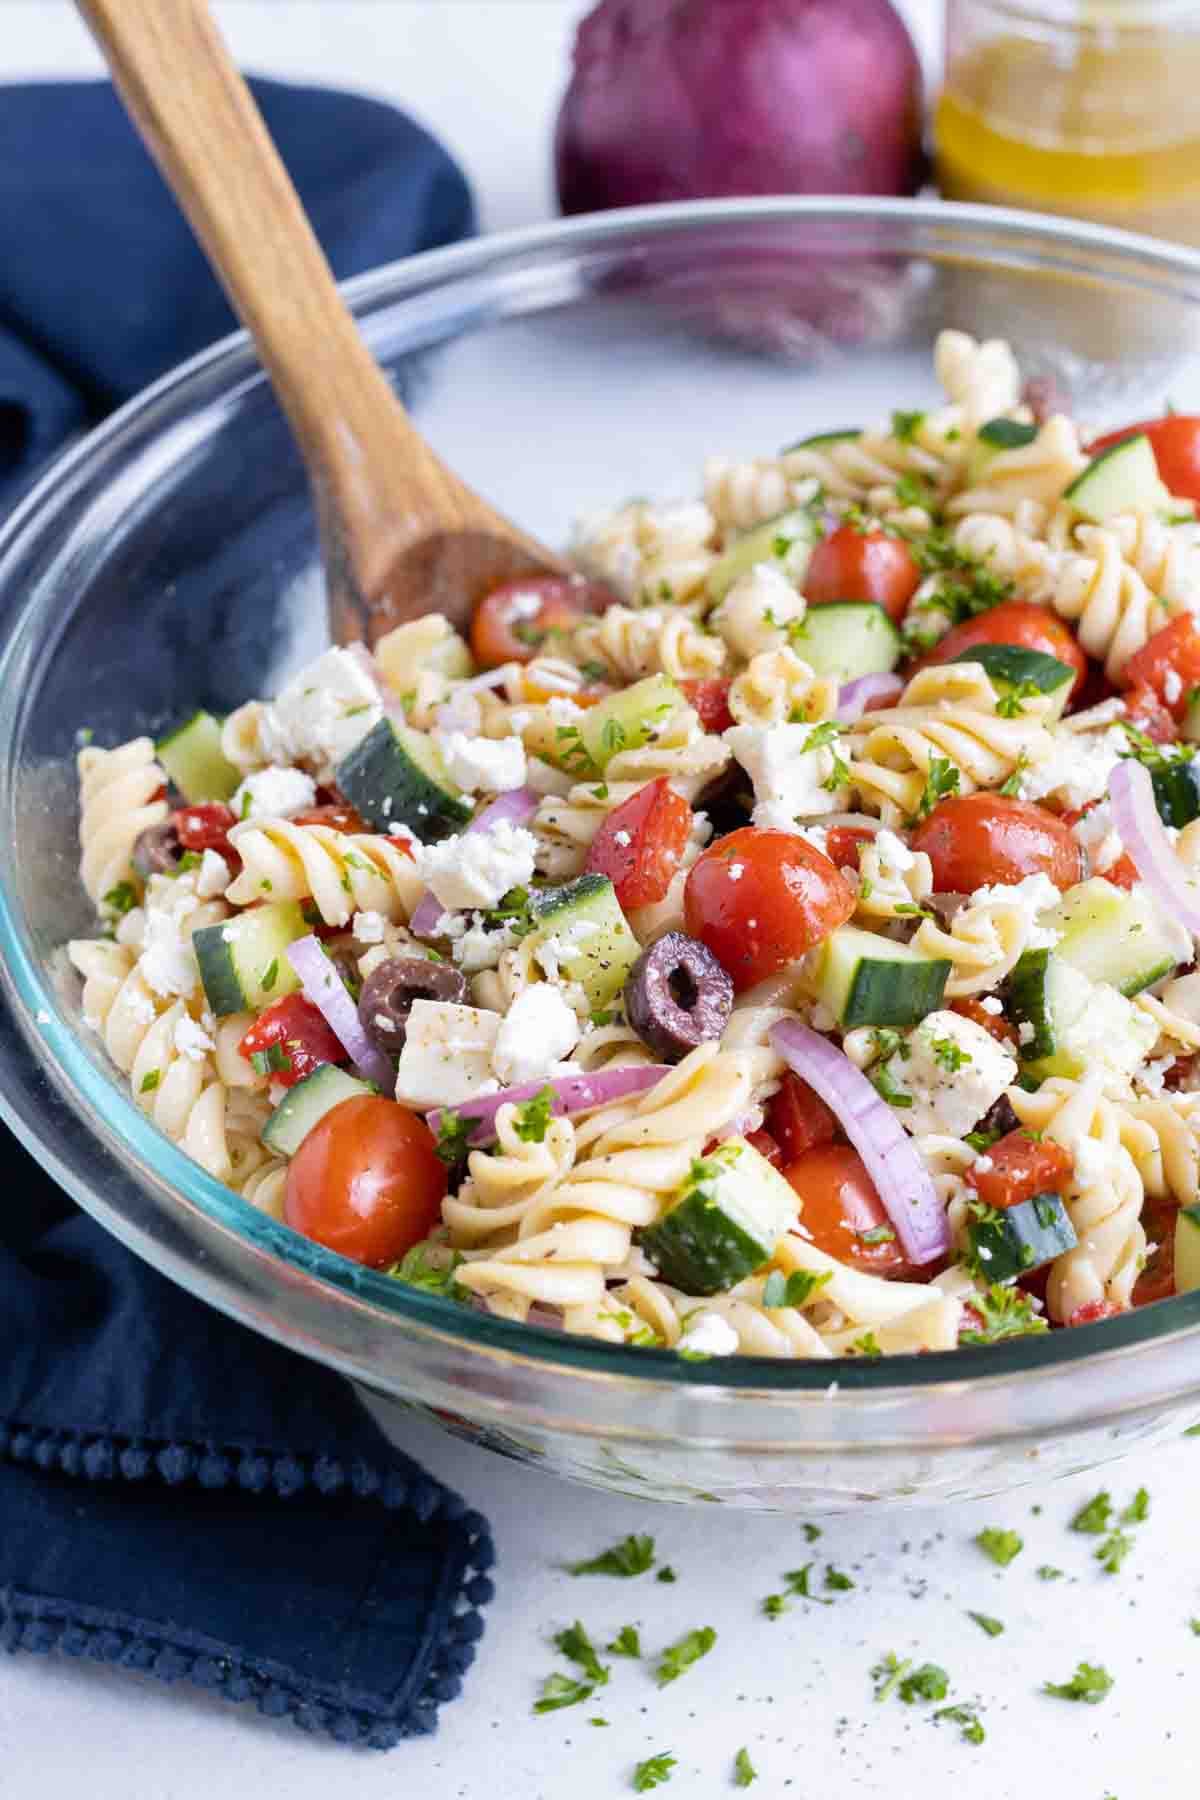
342 873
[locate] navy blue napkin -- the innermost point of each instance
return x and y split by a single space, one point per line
177 1495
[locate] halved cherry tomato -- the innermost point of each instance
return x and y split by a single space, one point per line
1091 1310
340 817
842 842
641 844
862 565
842 1212
1169 662
591 694
304 1039
1021 1167
1157 1279
766 1146
1145 711
205 827
798 1119
1175 441
760 899
994 1023
1020 622
366 1181
976 840
514 623
711 700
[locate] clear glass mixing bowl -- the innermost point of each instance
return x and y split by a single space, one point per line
170 561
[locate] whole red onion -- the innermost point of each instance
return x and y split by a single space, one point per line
686 99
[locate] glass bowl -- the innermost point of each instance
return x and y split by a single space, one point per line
169 561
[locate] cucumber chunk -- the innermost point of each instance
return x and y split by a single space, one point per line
243 961
1010 1241
847 638
1177 793
395 776
1121 478
724 1222
1187 1250
1012 669
1069 1024
787 539
629 719
992 440
1110 935
583 925
819 439
865 979
306 1104
193 758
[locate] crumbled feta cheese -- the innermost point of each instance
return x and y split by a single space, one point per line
1172 687
483 765
274 793
447 1054
894 852
369 927
1077 768
449 925
991 1005
477 948
212 877
789 779
736 871
708 1334
191 1040
477 868
1035 894
324 711
817 836
754 613
1098 838
625 839
561 945
1026 1032
561 711
1093 1163
983 1165
538 1030
954 1071
1152 1075
168 961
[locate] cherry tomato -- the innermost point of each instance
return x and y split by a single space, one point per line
1175 441
1149 714
842 1212
205 827
766 1146
514 623
862 565
976 840
994 1023
641 844
760 899
842 842
303 1038
1091 1310
1019 622
339 816
1169 662
591 694
366 1181
797 1118
1021 1167
1157 1279
711 701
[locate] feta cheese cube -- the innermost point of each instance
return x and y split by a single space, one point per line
325 710
537 1032
369 927
708 1334
213 875
476 948
477 868
954 1071
168 961
789 778
447 1054
483 765
274 793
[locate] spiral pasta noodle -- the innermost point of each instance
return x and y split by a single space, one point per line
341 872
741 495
981 379
655 641
777 686
1040 471
120 797
651 553
983 944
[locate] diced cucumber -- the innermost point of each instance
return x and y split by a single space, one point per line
306 1104
1177 792
847 638
1076 1024
583 926
1114 936
786 539
992 440
724 1222
396 776
1187 1250
628 719
243 961
865 979
1190 730
193 758
1121 478
1010 1241
819 439
1012 669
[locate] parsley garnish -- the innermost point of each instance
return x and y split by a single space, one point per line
562 1690
270 975
1195 1627
775 1605
416 1268
985 1622
454 1136
913 490
980 1141
941 780
1138 1508
1001 1546
654 1772
929 1682
532 1118
1090 1683
626 1643
150 1081
744 1771
191 859
120 899
1094 1517
612 737
679 1657
948 1054
887 1674
796 1289
1009 705
972 1730
889 1044
1047 1572
812 1533
575 1644
1011 787
1003 1312
1151 755
1113 1551
667 1574
878 1234
632 1556
866 1345
834 1579
905 425
274 1059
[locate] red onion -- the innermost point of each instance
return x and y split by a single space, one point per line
572 1094
325 988
1143 834
516 808
858 697
900 1177
687 99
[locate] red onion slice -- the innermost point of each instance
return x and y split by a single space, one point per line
857 697
572 1094
1143 834
901 1178
514 808
322 984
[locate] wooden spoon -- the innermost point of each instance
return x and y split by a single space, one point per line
401 535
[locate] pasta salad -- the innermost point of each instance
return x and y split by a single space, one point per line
776 938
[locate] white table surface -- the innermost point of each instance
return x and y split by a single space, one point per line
797 1691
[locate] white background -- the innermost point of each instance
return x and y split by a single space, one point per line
486 75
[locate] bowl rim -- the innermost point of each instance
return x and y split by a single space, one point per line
89 1090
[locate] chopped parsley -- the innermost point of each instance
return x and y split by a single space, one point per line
775 1605
941 780
191 859
270 975
985 1622
575 1644
836 1580
982 1140
1153 756
881 1077
948 1054
562 1690
654 1772
419 1271
150 1081
626 1643
1095 1516
866 1345
1195 1627
1113 1551
913 490
812 1533
1048 1572
798 1583
796 1289
1009 705
1001 1546
1090 1684
120 899
678 1658
744 1771
905 426
632 1556
514 911
612 737
666 1573
878 1234
1003 1312
454 1136
532 1118
274 1059
888 1673
1011 786
967 1717
928 1682
1138 1508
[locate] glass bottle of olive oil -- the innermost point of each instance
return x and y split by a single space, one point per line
1084 107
